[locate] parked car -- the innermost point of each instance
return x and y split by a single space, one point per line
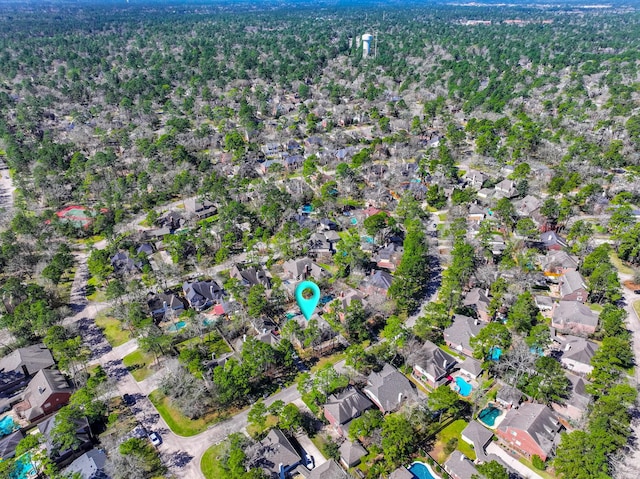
128 399
636 291
155 439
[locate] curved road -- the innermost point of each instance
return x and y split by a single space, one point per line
180 454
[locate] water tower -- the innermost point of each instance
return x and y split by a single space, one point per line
366 44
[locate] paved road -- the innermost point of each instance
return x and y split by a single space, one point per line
629 467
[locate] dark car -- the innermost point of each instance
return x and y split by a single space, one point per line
128 399
636 291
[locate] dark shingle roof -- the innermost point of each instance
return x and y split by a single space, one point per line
389 387
537 420
462 330
329 470
348 404
33 358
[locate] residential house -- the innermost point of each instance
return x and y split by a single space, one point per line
558 263
401 473
293 162
323 242
328 470
476 213
478 300
577 404
544 303
173 220
458 335
62 457
474 178
506 189
388 388
162 303
377 283
432 365
573 287
532 429
509 397
389 257
551 241
276 456
91 465
341 408
202 294
9 443
271 149
122 264
351 453
303 268
527 206
460 466
574 317
47 392
19 366
343 301
250 275
265 166
200 208
478 436
576 353
145 248
471 367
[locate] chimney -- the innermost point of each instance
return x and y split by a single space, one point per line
264 330
476 322
399 397
567 347
40 389
461 457
244 338
444 363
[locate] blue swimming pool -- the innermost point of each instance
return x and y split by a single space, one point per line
421 471
495 353
23 468
489 415
463 387
176 327
7 426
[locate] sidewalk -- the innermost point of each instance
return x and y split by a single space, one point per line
512 462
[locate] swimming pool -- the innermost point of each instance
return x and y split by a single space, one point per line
174 328
7 426
463 387
422 471
495 353
489 415
23 468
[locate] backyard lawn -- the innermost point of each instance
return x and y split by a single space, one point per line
112 329
453 430
210 465
636 307
139 364
93 291
179 423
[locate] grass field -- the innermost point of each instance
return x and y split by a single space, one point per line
139 364
178 422
636 307
210 465
617 262
94 293
544 474
112 329
452 430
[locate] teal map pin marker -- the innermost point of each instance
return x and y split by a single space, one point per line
307 306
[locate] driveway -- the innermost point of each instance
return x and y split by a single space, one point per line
512 462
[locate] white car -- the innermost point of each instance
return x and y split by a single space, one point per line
155 439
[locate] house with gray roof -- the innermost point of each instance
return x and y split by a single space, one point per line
328 470
389 256
378 282
47 392
401 473
250 275
351 453
527 205
388 388
458 335
432 365
276 455
506 189
508 396
578 403
9 443
162 303
471 367
573 287
530 430
341 408
551 241
460 466
478 436
202 294
91 465
576 353
200 208
303 268
19 366
478 300
474 178
574 317
559 263
62 457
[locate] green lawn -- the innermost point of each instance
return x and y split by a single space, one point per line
322 362
544 474
452 430
617 262
210 465
636 307
65 284
94 293
212 342
112 329
178 422
139 364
